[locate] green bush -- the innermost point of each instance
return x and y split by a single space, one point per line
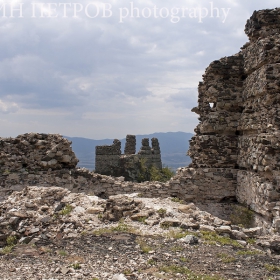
66 210
153 174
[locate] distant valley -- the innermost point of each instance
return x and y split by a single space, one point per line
173 145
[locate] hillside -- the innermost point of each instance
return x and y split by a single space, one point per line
173 145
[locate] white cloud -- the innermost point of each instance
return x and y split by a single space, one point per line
8 107
100 78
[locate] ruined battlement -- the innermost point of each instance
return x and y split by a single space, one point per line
110 161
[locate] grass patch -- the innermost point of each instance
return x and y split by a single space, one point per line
11 242
67 209
177 248
248 252
226 258
212 238
174 269
62 253
76 266
151 262
272 268
121 227
161 212
251 241
178 234
142 220
165 225
127 272
176 199
6 250
145 248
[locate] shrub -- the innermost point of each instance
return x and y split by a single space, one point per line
76 266
66 210
242 216
161 212
152 173
11 240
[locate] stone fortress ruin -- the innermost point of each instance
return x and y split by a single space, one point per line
110 161
235 152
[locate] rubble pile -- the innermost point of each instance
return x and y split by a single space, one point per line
34 151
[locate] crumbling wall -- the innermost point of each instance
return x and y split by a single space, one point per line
189 184
239 118
259 141
34 151
107 158
130 145
219 109
215 146
110 161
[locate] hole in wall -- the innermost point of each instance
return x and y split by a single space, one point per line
103 195
228 199
212 105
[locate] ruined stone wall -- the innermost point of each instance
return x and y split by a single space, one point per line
130 145
189 184
215 145
239 118
33 151
259 141
110 161
107 158
219 109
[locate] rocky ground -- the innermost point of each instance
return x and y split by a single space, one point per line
51 233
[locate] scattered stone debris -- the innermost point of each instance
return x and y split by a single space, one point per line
52 233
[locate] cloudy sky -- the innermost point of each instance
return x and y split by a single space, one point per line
104 69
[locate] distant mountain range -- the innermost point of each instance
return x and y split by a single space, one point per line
173 146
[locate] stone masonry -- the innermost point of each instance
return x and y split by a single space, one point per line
107 158
110 161
33 151
130 145
239 111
